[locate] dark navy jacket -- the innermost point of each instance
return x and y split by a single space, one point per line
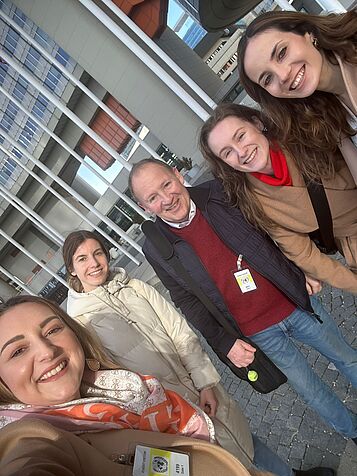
258 250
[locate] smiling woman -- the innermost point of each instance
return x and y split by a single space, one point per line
302 70
263 179
43 374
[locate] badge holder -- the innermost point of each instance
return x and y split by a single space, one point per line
244 277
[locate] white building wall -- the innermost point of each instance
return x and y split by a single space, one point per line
114 66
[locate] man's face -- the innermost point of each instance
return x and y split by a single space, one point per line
161 191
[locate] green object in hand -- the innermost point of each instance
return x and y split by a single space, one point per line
252 375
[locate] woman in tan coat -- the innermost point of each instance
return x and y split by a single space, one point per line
56 383
264 181
302 70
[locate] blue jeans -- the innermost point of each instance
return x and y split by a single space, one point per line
266 460
277 343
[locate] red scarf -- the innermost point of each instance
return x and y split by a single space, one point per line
280 168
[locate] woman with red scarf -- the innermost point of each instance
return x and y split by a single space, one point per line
266 183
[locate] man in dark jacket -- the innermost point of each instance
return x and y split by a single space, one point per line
250 281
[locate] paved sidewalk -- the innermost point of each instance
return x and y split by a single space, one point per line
283 421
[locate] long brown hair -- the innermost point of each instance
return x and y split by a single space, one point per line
91 346
236 184
319 120
70 246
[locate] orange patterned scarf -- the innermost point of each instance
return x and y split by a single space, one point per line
120 399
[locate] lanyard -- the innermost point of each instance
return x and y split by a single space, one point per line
239 262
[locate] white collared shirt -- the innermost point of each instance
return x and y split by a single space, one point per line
191 216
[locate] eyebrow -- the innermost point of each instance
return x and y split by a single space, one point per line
84 254
273 52
21 336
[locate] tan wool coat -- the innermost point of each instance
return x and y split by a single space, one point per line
349 75
291 209
33 447
142 332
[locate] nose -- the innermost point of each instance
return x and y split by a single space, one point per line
165 197
241 151
93 261
283 72
45 350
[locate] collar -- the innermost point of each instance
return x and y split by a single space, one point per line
191 216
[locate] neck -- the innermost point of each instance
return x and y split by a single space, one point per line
331 80
268 169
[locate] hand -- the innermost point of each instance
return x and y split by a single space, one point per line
313 285
208 401
241 354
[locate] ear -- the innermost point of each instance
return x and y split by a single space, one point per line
258 123
178 175
144 208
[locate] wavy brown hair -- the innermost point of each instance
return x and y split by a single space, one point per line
92 348
319 120
70 246
236 185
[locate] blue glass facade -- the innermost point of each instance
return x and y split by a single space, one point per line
194 35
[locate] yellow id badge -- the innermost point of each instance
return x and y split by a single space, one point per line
160 462
245 280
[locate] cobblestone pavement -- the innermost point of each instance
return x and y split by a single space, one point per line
283 421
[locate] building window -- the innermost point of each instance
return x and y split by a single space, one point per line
32 59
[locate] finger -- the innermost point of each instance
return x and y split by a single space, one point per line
248 347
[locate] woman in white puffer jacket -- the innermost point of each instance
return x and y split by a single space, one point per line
142 332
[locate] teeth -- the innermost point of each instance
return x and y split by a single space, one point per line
53 372
298 78
251 157
95 273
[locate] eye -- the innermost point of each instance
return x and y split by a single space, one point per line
17 352
54 330
82 258
267 80
151 199
241 135
282 53
226 154
99 253
167 184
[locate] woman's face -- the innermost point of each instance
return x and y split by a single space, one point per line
90 264
41 359
285 64
241 145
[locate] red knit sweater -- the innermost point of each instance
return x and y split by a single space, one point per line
255 310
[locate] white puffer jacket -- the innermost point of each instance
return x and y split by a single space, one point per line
144 333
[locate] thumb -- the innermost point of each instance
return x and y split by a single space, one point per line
248 347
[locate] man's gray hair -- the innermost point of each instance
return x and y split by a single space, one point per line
141 164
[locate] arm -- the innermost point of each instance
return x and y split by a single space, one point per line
35 448
195 312
186 342
300 249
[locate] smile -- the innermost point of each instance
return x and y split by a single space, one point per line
95 273
299 77
54 371
173 206
251 157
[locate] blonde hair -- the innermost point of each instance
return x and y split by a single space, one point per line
91 346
